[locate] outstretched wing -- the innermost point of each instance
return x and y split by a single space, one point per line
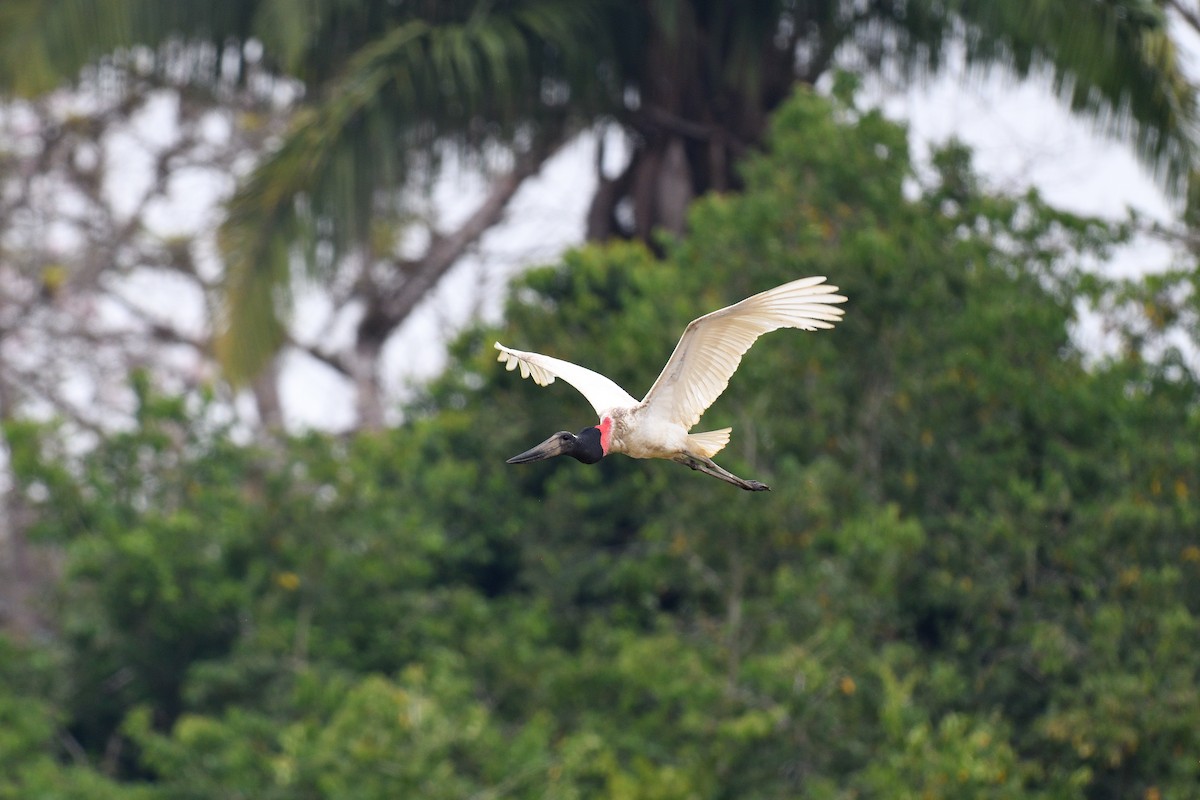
712 346
601 392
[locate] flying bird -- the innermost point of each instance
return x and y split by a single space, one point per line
706 357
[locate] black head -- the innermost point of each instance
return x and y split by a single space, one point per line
584 446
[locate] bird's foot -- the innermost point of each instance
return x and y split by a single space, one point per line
708 467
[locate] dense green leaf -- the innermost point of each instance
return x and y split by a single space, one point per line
976 575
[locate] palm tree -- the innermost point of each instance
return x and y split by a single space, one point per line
391 88
705 74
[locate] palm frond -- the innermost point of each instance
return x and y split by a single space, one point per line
44 43
415 89
1112 61
253 329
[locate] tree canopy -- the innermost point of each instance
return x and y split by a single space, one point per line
976 575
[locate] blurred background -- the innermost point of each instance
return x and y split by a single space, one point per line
257 538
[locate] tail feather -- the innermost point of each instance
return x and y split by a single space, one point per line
709 443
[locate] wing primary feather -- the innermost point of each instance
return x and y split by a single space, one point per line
712 346
601 392
707 355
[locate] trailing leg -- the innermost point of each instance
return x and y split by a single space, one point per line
707 466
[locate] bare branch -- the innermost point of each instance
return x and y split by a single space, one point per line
1189 15
331 360
444 251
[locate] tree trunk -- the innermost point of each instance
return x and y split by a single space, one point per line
21 575
266 397
364 369
19 580
691 119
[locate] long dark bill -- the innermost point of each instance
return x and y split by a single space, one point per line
554 446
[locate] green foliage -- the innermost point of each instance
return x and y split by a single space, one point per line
976 574
422 81
29 736
1114 53
420 735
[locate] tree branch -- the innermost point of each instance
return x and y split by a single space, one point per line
331 360
1190 16
444 251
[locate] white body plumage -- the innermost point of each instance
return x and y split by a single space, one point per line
707 355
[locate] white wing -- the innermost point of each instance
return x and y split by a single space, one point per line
712 346
601 392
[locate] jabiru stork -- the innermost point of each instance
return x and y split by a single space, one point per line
707 355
